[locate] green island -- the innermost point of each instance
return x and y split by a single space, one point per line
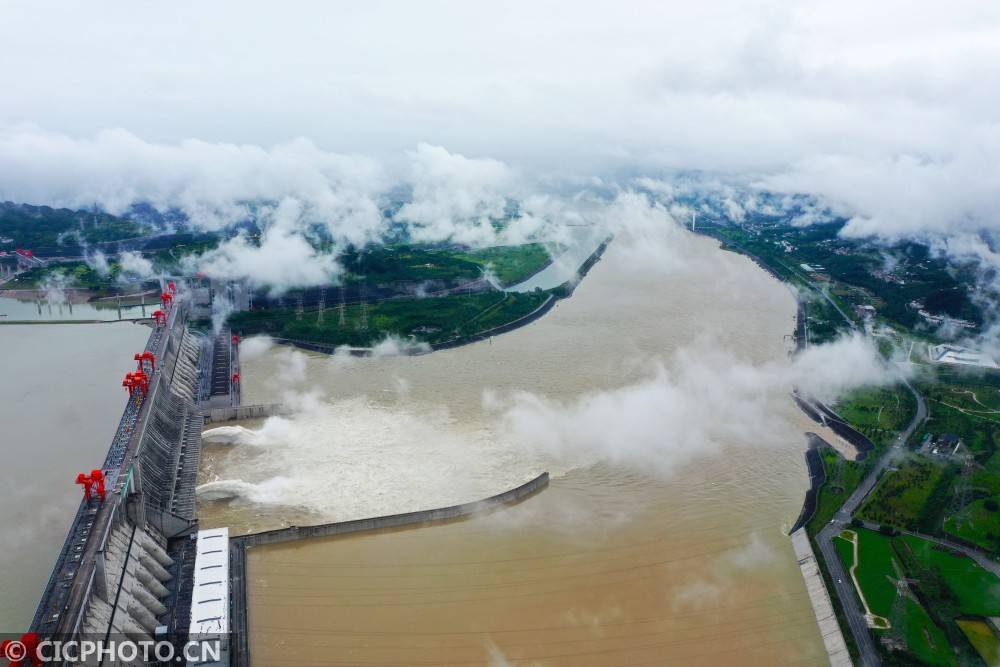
421 319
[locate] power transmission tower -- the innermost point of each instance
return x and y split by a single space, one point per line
838 472
322 305
340 307
962 495
364 309
299 308
897 617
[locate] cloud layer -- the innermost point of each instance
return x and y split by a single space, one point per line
889 113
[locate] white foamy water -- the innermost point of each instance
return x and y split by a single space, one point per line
356 457
231 435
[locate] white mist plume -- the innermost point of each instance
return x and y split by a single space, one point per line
255 347
394 346
211 182
887 112
674 416
98 261
55 286
134 264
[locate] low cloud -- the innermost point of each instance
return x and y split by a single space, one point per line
708 397
283 259
456 198
212 183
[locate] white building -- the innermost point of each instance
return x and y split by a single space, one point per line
960 356
210 598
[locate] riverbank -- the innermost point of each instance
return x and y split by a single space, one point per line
817 477
563 291
6 321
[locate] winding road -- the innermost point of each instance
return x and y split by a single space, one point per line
841 580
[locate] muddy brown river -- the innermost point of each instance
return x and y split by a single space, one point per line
661 539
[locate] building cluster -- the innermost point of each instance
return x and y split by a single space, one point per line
945 445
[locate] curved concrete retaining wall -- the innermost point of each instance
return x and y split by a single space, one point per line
395 520
817 476
823 415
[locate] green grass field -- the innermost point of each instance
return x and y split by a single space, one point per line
877 570
977 591
981 400
510 264
879 413
903 497
978 524
987 478
979 432
383 265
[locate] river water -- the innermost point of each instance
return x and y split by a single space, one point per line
654 544
60 402
50 309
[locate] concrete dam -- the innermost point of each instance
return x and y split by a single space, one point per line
134 564
128 564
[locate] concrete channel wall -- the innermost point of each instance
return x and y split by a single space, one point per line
817 477
215 415
240 640
395 520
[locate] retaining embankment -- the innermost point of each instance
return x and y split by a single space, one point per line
563 291
817 475
823 415
545 307
396 520
215 415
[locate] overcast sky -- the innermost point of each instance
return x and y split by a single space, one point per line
891 110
